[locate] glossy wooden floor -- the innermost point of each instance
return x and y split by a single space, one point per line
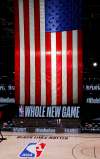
58 146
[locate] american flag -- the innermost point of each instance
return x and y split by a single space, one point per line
48 52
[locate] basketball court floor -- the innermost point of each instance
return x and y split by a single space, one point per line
50 146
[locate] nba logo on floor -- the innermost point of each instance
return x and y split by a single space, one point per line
33 150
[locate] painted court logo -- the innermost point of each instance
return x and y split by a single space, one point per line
33 150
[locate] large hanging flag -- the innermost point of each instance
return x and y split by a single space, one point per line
48 52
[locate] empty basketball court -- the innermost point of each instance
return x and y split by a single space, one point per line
57 146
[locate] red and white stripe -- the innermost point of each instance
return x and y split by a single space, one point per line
48 66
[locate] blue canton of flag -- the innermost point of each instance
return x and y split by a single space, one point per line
63 15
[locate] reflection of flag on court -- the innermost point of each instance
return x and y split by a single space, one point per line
48 52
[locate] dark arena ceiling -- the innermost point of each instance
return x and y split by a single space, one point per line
91 36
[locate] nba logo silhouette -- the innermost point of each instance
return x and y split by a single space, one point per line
33 150
21 111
